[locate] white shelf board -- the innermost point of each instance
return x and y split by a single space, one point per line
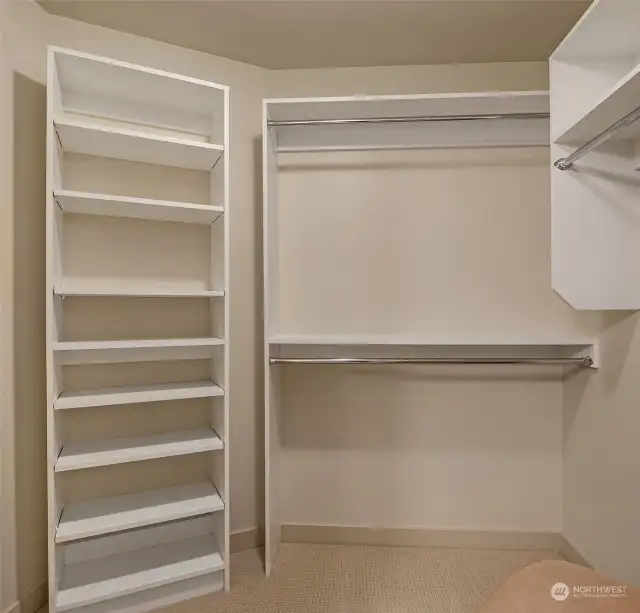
346 107
383 345
122 450
77 287
410 135
137 394
623 98
423 341
107 352
160 597
89 582
96 139
106 515
86 203
131 93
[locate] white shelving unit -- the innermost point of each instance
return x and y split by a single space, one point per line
137 276
382 123
595 82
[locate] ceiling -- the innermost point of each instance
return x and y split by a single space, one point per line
328 33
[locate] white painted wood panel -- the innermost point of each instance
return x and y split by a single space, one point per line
106 515
91 138
615 103
159 597
273 520
281 109
398 346
108 452
94 85
137 394
104 352
141 289
90 582
136 208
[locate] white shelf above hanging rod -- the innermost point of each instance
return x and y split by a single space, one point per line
423 121
417 119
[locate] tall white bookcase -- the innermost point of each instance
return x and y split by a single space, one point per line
137 335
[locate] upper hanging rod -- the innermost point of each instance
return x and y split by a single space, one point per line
426 118
586 361
567 162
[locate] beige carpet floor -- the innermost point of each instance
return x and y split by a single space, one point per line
360 579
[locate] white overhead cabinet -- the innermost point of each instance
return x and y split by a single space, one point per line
137 335
595 107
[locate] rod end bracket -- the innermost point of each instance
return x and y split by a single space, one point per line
562 165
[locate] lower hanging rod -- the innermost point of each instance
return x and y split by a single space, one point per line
274 123
582 361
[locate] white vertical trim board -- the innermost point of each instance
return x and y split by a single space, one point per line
272 435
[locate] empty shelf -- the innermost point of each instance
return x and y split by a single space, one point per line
136 394
106 515
85 203
107 352
425 341
142 290
321 346
96 139
92 581
616 103
122 450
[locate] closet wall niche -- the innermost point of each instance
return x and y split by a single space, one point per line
411 334
137 335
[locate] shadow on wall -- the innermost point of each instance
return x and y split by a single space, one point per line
29 105
616 336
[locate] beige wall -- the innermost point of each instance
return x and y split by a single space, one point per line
27 30
8 584
601 516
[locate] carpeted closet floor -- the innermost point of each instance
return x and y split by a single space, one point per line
359 579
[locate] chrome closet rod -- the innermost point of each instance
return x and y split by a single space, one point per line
583 361
567 162
426 118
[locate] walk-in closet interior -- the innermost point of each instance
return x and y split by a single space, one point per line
422 375
298 303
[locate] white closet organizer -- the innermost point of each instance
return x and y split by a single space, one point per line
595 107
494 119
137 335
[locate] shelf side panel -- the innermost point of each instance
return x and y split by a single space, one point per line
270 259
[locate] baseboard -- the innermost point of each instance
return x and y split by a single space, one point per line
421 537
571 554
246 539
14 608
35 599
